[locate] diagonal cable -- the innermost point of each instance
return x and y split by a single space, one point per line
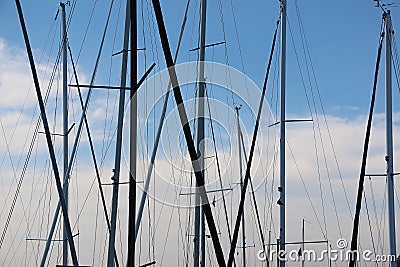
253 143
365 154
187 132
48 135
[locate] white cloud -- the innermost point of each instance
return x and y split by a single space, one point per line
348 139
347 136
15 77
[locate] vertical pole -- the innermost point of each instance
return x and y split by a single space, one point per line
389 136
117 163
329 258
47 133
282 188
199 215
269 246
302 244
65 127
158 134
277 252
132 137
187 132
241 187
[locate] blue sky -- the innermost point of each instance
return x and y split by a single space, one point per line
342 37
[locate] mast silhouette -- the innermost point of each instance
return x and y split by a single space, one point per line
118 149
65 127
386 35
389 134
282 188
241 187
47 134
132 136
199 228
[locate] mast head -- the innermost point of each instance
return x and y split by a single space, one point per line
384 6
67 3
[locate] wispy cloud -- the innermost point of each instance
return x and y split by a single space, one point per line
315 187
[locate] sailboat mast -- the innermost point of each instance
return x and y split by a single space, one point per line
47 133
282 188
389 135
241 187
132 136
117 163
65 126
199 215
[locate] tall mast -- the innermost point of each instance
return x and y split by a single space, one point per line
282 188
389 135
200 141
47 133
65 126
132 137
117 163
241 187
158 134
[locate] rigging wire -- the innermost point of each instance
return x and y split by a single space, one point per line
216 116
19 183
47 132
383 220
226 57
27 159
40 202
151 222
78 136
33 140
25 102
187 132
89 94
314 135
93 77
155 58
27 97
397 197
86 30
308 62
365 153
120 237
166 97
305 188
8 151
13 134
251 154
91 150
269 197
370 226
396 61
106 118
218 168
239 48
375 212
95 229
229 80
168 229
323 110
252 194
